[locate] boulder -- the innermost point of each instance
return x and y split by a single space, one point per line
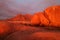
53 14
49 17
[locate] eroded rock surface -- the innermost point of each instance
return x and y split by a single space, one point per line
50 17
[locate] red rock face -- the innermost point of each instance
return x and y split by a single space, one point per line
53 15
35 19
40 19
28 17
50 17
19 17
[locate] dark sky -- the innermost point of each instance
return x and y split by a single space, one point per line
10 8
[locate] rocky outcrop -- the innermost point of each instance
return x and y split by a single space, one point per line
19 17
28 17
39 19
50 17
53 14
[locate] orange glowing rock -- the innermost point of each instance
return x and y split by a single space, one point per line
35 19
50 17
39 18
27 17
19 17
53 15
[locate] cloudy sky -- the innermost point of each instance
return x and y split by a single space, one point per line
10 8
